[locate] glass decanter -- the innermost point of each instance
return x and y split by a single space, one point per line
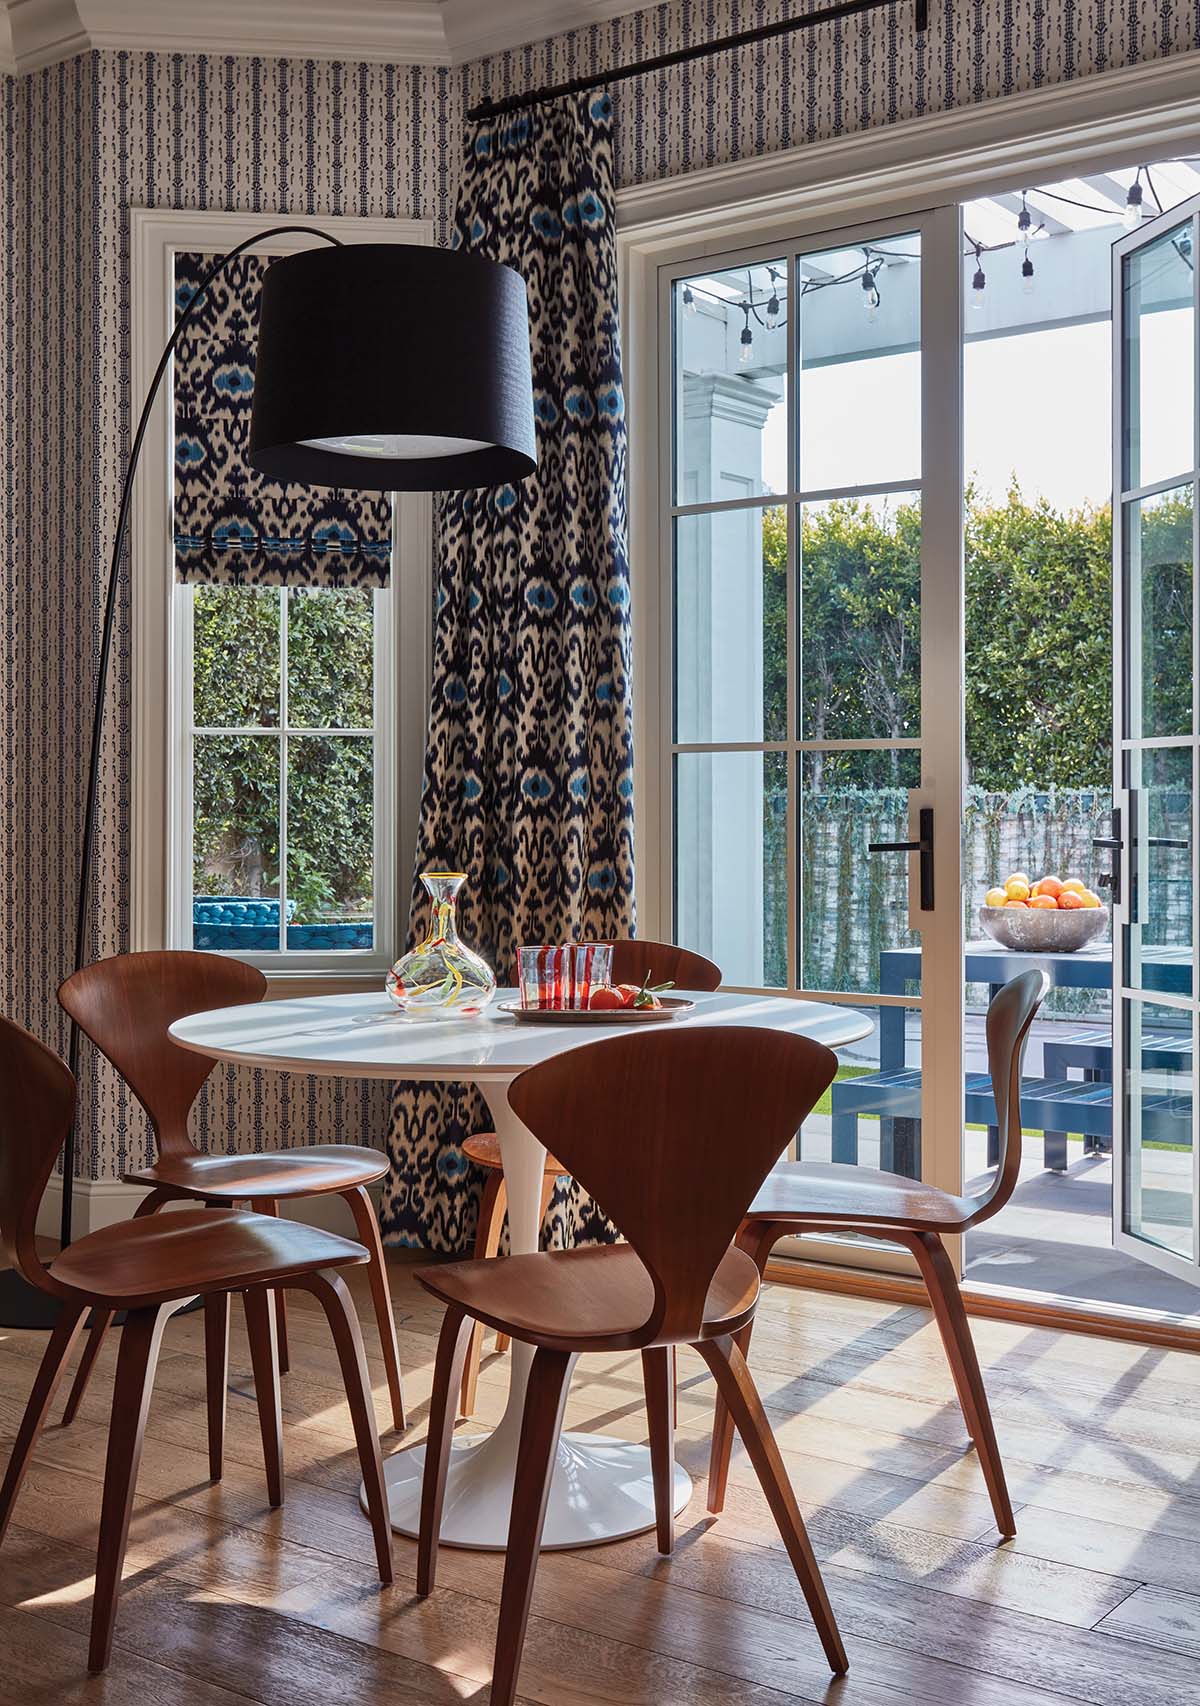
442 978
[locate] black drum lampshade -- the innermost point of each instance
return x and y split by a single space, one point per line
389 367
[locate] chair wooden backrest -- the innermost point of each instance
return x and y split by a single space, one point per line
126 1004
1010 1014
673 1135
634 959
37 1105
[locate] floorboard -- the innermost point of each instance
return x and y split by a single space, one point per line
225 1600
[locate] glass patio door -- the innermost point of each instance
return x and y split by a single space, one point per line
1156 470
811 665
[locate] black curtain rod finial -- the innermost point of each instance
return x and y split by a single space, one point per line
488 109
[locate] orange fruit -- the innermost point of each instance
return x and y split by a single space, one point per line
1044 902
1017 888
1089 898
1023 903
1069 900
995 897
1019 877
1074 885
1048 886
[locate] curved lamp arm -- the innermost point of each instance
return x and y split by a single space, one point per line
106 635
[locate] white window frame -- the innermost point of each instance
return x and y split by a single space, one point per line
162 634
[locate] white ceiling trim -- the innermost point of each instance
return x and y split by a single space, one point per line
34 33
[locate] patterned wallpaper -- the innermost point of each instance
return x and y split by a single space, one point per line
86 141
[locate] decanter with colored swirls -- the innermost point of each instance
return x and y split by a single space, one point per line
442 978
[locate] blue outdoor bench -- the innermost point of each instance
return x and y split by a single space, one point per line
227 924
1053 1106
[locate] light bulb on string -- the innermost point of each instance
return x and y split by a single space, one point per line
747 338
871 298
773 308
1027 275
689 299
979 282
1135 204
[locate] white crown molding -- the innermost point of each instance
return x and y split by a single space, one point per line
34 33
477 28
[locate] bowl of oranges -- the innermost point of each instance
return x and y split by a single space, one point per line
1052 915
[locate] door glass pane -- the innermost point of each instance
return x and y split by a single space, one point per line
1160 363
871 1114
731 864
1159 1126
859 405
330 658
1159 939
853 904
731 625
1158 578
860 618
731 344
330 842
235 657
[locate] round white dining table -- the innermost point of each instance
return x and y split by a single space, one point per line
602 1487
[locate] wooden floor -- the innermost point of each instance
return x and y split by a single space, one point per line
225 1601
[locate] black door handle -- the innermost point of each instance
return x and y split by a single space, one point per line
1114 843
1165 841
924 847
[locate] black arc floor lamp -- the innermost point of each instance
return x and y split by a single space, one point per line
347 392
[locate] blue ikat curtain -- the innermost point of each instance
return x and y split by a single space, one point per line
232 526
529 767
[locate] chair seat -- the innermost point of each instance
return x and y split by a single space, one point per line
484 1150
829 1192
184 1251
596 1298
314 1172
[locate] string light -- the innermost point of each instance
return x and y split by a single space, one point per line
979 282
1027 274
1135 207
689 300
870 289
773 308
747 338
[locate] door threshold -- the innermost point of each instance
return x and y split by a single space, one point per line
1000 1303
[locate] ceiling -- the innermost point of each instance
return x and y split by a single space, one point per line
34 33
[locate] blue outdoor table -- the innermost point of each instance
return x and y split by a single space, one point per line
1166 971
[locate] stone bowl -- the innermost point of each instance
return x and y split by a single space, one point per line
1040 930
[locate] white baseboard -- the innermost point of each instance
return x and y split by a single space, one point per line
96 1203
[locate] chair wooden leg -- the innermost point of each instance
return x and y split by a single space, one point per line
454 1345
740 1393
367 1224
264 1360
333 1294
54 1359
938 1274
268 1205
487 1242
102 1320
659 1376
541 1424
757 1239
141 1338
216 1371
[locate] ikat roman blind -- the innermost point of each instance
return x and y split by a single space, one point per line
232 526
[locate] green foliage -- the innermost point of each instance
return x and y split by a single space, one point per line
1038 627
236 648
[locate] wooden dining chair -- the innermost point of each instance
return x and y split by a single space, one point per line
151 1268
126 1005
672 1135
632 962
807 1196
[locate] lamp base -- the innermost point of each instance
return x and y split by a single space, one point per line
23 1305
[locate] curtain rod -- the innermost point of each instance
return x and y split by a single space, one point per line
683 55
